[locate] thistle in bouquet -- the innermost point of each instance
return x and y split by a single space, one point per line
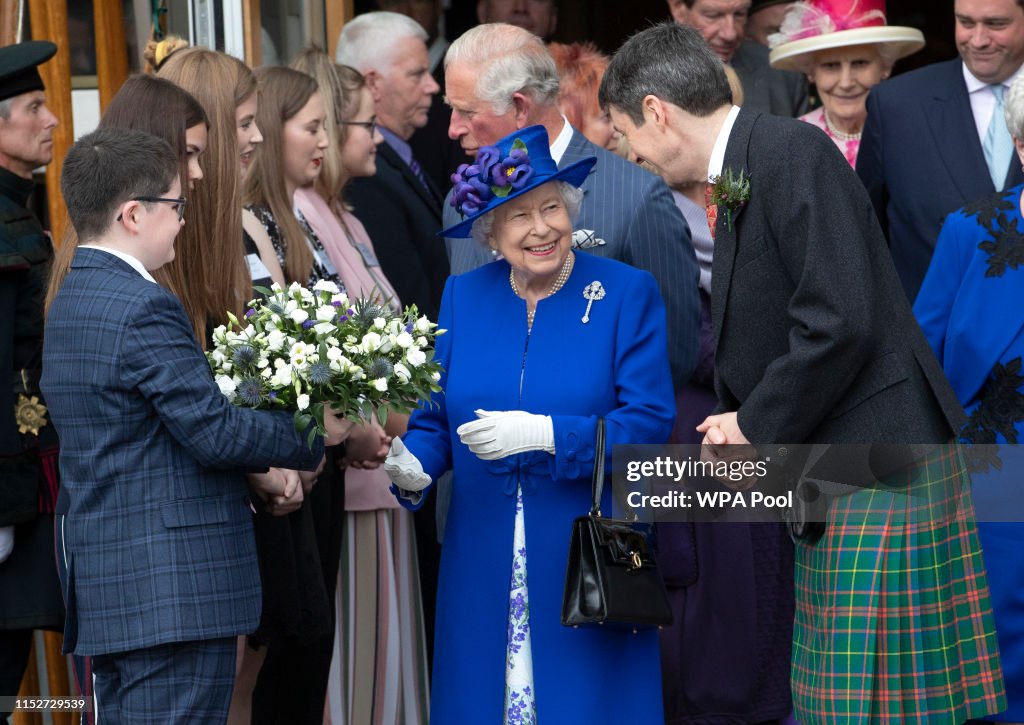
309 350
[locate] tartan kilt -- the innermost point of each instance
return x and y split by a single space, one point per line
893 619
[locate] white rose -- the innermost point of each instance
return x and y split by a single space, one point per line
275 340
298 315
302 401
267 373
379 322
283 374
218 356
325 313
402 372
322 328
380 384
387 343
326 285
416 357
421 341
294 287
435 376
334 353
423 324
227 386
403 339
371 342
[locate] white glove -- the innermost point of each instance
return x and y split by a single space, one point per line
504 433
6 542
404 468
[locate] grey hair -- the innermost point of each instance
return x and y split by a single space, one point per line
1013 108
509 60
572 197
670 62
5 108
368 41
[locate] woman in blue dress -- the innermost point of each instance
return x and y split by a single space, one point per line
971 308
539 344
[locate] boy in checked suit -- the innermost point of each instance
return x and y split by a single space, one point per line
154 525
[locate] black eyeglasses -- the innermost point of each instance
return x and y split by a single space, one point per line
178 204
370 125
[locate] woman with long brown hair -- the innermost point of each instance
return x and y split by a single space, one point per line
214 256
182 122
300 554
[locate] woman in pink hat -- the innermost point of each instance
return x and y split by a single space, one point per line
844 47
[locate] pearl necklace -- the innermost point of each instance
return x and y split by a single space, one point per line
841 135
560 280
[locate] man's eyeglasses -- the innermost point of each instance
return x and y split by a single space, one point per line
370 125
177 204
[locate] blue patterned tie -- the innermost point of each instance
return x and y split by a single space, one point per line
998 146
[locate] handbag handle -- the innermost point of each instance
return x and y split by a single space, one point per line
597 481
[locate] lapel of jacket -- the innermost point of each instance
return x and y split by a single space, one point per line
947 111
428 194
725 233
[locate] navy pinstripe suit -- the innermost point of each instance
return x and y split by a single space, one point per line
157 528
633 211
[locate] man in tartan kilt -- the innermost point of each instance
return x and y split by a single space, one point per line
816 344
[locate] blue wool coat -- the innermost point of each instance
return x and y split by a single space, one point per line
614 366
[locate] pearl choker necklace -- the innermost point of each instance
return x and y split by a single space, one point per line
841 135
560 280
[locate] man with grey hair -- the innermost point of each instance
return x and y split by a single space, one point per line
501 78
399 206
30 595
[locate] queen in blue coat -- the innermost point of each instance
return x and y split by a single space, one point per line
539 344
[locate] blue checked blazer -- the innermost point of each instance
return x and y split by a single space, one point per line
634 214
154 510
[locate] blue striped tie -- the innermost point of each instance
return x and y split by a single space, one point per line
998 146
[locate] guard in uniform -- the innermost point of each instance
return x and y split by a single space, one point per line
30 595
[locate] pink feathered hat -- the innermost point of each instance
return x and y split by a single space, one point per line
814 25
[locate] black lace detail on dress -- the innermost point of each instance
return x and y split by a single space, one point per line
1000 410
1005 249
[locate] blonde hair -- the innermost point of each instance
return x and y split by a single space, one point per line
157 52
210 249
283 93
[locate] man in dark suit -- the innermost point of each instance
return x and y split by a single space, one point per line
29 592
815 341
154 518
628 214
399 205
722 23
935 139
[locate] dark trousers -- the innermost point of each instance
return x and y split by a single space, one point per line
170 683
15 645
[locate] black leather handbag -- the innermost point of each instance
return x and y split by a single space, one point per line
612 579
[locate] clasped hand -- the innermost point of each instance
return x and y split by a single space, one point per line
496 434
725 442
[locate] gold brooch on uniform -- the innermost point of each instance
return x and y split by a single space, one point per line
29 414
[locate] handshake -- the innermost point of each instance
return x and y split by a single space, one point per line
493 435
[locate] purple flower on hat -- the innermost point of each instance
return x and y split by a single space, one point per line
487 157
514 171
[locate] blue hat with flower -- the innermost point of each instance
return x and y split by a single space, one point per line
513 166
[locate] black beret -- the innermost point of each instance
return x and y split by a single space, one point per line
18 63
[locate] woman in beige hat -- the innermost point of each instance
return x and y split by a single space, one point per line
845 48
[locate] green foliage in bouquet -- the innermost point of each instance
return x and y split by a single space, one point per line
306 350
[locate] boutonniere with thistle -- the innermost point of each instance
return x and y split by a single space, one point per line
731 191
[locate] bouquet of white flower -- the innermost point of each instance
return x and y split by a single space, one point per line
304 350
